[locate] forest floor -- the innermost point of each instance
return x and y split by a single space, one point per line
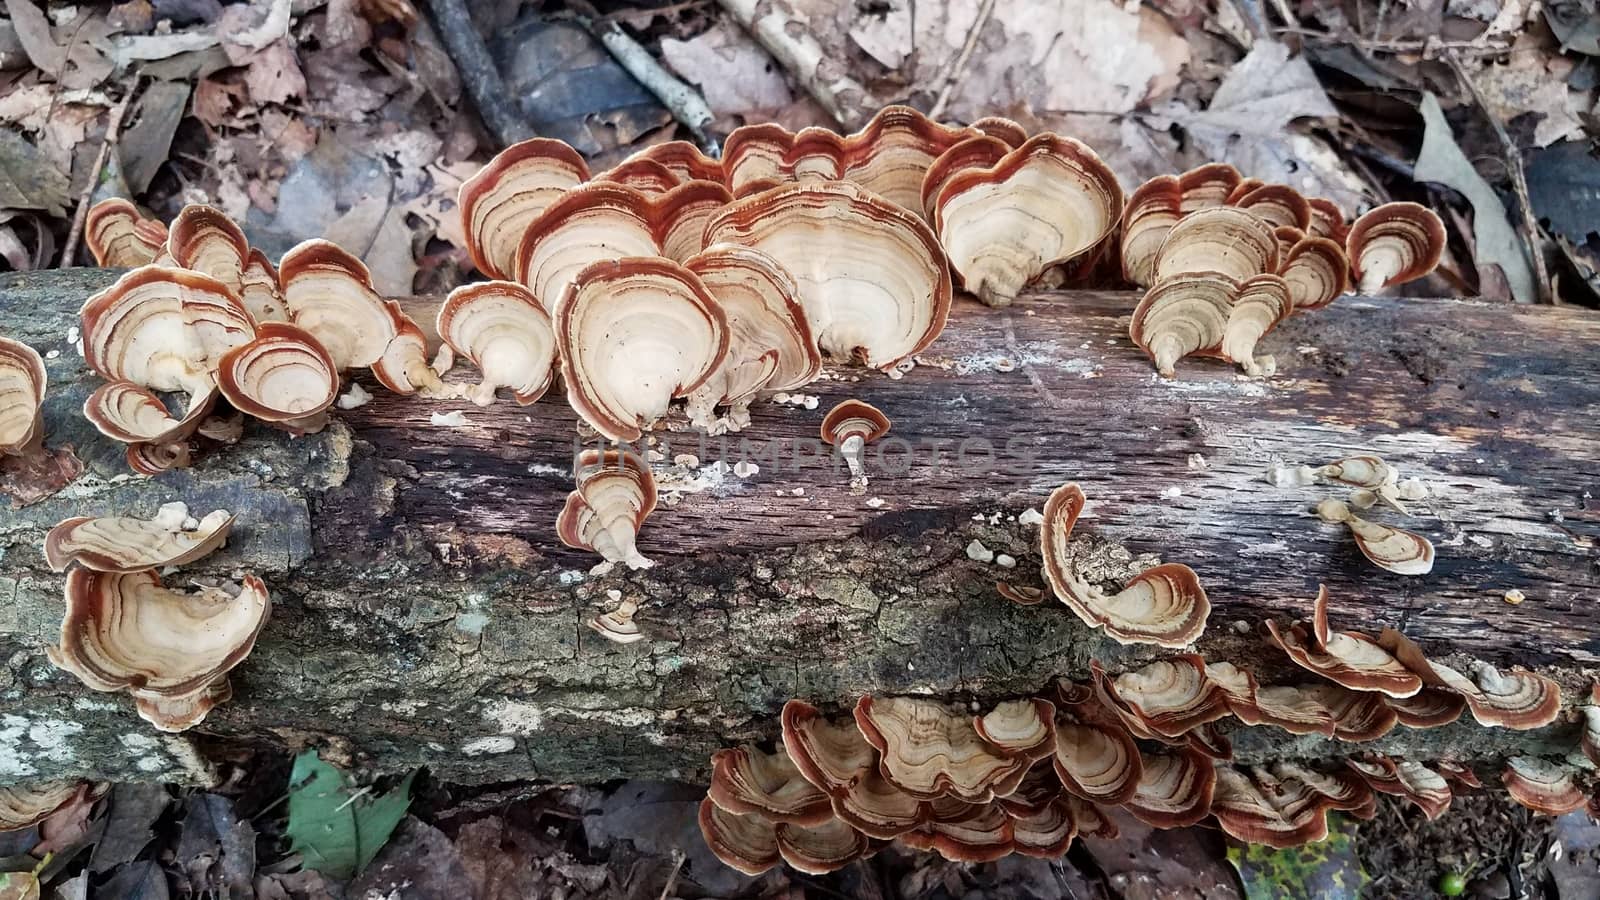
349 119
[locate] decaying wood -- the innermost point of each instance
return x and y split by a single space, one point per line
425 614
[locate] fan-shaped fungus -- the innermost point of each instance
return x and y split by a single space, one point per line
1395 549
1542 786
507 335
123 544
284 376
22 385
930 752
25 805
1348 658
615 494
118 236
1175 789
833 756
850 426
748 781
505 196
1224 240
1393 244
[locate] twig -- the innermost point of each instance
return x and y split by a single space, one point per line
680 98
1519 180
489 94
960 64
113 127
672 877
1429 47
797 50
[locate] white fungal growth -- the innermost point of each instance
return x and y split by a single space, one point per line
357 396
453 419
1030 516
1006 561
171 516
977 552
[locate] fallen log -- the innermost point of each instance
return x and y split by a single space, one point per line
425 613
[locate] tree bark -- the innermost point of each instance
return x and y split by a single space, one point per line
425 614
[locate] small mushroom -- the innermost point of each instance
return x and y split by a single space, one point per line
618 626
1405 778
1046 833
821 849
747 843
770 347
505 196
1394 549
1225 240
284 377
507 335
1022 596
25 805
633 334
1208 314
204 239
1543 786
980 151
171 650
1358 716
1276 204
1207 186
1164 605
163 329
1519 700
850 426
1430 707
878 809
123 544
888 156
749 781
1095 757
833 756
1316 272
684 160
872 277
1169 697
1284 707
984 833
1393 244
260 290
753 158
929 752
1348 658
1264 808
1022 727
616 492
1152 210
23 380
643 175
1260 304
1040 206
1327 220
118 236
1175 790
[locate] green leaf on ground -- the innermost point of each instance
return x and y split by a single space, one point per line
337 830
19 886
1326 870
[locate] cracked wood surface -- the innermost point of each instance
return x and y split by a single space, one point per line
425 614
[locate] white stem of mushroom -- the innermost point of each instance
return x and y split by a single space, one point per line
1378 265
615 542
851 448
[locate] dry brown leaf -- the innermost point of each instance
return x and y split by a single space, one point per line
273 74
883 30
394 267
33 31
1525 85
734 73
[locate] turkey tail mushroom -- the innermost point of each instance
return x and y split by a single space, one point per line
851 426
1394 549
22 387
118 236
284 377
124 545
1393 244
503 330
505 196
930 752
616 492
1543 786
748 781
1518 699
1348 658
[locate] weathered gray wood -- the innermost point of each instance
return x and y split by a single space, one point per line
425 613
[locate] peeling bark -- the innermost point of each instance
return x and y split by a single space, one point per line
425 614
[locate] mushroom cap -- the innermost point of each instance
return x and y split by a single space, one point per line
1518 700
259 290
871 276
603 221
284 376
163 328
765 319
330 294
820 849
1277 204
930 752
1183 315
1276 812
1019 594
753 157
1042 205
1004 129
23 380
1394 549
980 151
127 631
643 175
123 544
1261 302
683 159
750 782
1542 786
1393 244
1149 215
1175 789
118 236
1227 240
985 833
1170 697
633 333
1327 220
1164 605
1098 760
1025 727
1046 833
126 412
1207 186
1405 778
889 156
204 239
854 417
501 327
1350 658
834 757
1430 707
616 492
747 843
153 459
25 805
1317 272
505 196
878 809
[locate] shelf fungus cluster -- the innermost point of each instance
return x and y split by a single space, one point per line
1223 259
124 630
30 471
1374 482
25 805
208 318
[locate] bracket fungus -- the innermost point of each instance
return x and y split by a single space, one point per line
871 276
1276 204
1543 786
284 377
25 805
1223 240
171 650
1284 808
980 151
1209 314
930 752
1393 244
1164 605
619 626
1151 211
330 294
643 175
616 492
1348 658
503 330
119 236
1519 700
1175 789
770 347
833 756
1168 698
1040 206
889 156
753 845
851 426
204 239
632 334
22 387
124 545
748 781
504 197
1095 758
1316 271
1410 779
1394 549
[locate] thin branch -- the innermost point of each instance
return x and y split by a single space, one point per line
679 97
1519 180
960 65
497 107
113 129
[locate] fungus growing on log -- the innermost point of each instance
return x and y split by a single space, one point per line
643 175
1412 780
25 805
1209 314
684 160
890 156
770 347
1022 596
1175 789
118 236
1543 786
1327 220
871 276
833 756
983 833
1590 740
753 157
1285 707
503 330
1518 700
1152 210
504 197
851 426
1164 605
1225 240
980 151
22 386
632 334
284 377
930 752
163 329
1040 206
1169 697
1021 727
615 494
1207 185
749 781
1260 304
1394 549
1393 244
744 842
123 544
171 650
204 239
1277 809
1348 658
126 412
618 626
1316 271
1095 758
1276 204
